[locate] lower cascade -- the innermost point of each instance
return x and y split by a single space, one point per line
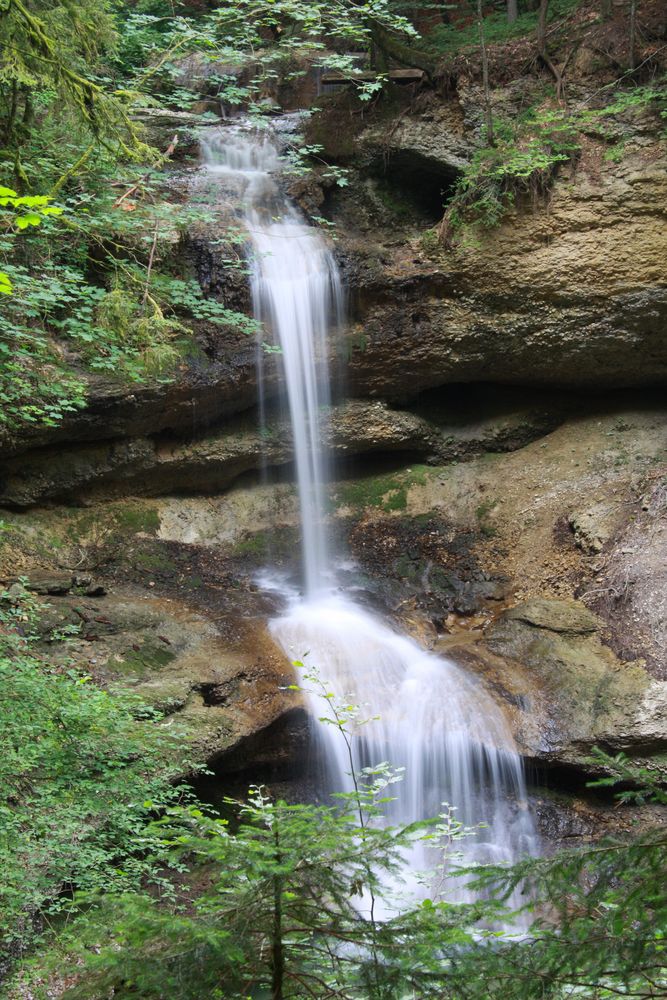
428 715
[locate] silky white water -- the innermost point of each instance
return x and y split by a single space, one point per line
434 719
297 294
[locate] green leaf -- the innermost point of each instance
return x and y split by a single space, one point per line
29 219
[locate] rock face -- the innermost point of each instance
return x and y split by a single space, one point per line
152 466
566 293
570 290
149 467
566 691
569 293
631 584
568 679
590 696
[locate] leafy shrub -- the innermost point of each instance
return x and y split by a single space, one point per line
528 152
523 159
81 773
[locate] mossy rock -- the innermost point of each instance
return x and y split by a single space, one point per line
586 694
145 659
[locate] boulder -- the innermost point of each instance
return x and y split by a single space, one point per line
570 691
161 125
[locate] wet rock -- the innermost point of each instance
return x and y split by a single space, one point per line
584 695
438 432
422 565
567 821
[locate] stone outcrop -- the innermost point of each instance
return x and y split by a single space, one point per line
228 697
569 290
565 691
151 466
160 126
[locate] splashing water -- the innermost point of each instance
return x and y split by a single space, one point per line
434 719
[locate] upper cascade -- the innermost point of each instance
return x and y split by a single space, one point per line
297 294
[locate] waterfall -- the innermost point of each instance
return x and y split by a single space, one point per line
435 720
297 294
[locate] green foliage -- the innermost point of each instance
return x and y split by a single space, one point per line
37 385
57 48
600 914
56 315
284 901
523 159
261 43
461 37
29 210
283 890
81 773
299 160
188 300
527 153
289 906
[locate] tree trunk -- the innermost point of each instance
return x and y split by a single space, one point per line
11 114
542 27
542 50
633 32
488 114
512 10
403 53
28 108
277 953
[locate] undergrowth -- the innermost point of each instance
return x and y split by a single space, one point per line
81 773
529 150
459 37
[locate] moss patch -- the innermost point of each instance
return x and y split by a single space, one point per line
483 514
141 661
155 560
387 493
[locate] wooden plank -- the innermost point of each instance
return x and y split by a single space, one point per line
393 74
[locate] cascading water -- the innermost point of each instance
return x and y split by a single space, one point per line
297 294
434 719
